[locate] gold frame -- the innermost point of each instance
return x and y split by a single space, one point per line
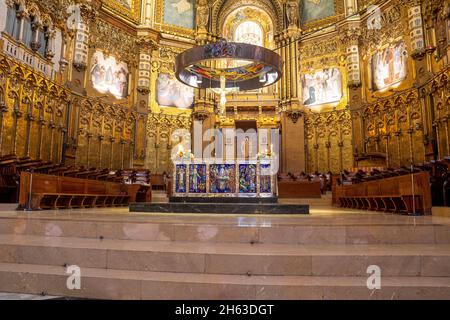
168 28
339 11
133 14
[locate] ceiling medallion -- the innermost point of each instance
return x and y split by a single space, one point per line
225 67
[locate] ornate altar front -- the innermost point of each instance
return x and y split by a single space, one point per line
251 179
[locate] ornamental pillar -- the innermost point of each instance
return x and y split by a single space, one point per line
293 157
204 101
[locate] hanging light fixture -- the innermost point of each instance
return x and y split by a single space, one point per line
251 66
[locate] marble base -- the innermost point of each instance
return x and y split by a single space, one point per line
223 200
222 208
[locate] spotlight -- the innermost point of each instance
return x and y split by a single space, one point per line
263 78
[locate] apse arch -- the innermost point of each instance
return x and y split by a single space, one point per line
223 8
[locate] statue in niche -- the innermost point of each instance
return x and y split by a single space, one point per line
202 15
292 13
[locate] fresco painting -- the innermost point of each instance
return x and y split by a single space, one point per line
321 87
316 9
180 13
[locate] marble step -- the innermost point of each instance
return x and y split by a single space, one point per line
123 284
221 258
226 229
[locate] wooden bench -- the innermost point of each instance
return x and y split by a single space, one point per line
394 194
58 192
299 189
396 204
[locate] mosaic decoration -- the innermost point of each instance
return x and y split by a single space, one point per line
265 179
179 13
180 184
197 178
316 9
109 75
222 178
321 87
233 74
247 178
389 66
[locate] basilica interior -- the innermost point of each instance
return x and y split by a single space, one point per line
225 149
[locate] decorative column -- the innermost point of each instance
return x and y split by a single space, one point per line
292 120
88 13
418 41
3 110
204 102
350 35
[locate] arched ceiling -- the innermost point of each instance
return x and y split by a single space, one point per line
221 9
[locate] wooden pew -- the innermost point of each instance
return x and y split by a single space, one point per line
393 194
157 181
58 192
299 189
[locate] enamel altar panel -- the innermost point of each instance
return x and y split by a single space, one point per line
265 179
197 178
222 178
180 178
247 178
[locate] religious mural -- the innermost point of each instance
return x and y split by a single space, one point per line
180 13
222 178
247 178
125 3
173 93
197 178
265 179
389 66
109 75
324 86
316 9
180 181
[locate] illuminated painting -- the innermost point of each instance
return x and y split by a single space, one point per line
324 86
179 13
109 75
316 9
247 178
389 66
222 178
265 180
173 93
197 178
180 180
125 3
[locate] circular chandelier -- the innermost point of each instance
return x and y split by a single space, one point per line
225 67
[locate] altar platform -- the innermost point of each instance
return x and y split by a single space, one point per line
220 207
229 187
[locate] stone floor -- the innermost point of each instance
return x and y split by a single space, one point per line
323 255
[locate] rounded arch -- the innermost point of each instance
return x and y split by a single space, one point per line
222 8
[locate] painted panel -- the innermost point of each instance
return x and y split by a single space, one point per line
265 179
126 3
109 75
247 178
316 9
389 66
180 184
197 178
172 93
321 87
222 178
179 13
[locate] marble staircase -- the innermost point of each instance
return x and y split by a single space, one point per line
140 256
